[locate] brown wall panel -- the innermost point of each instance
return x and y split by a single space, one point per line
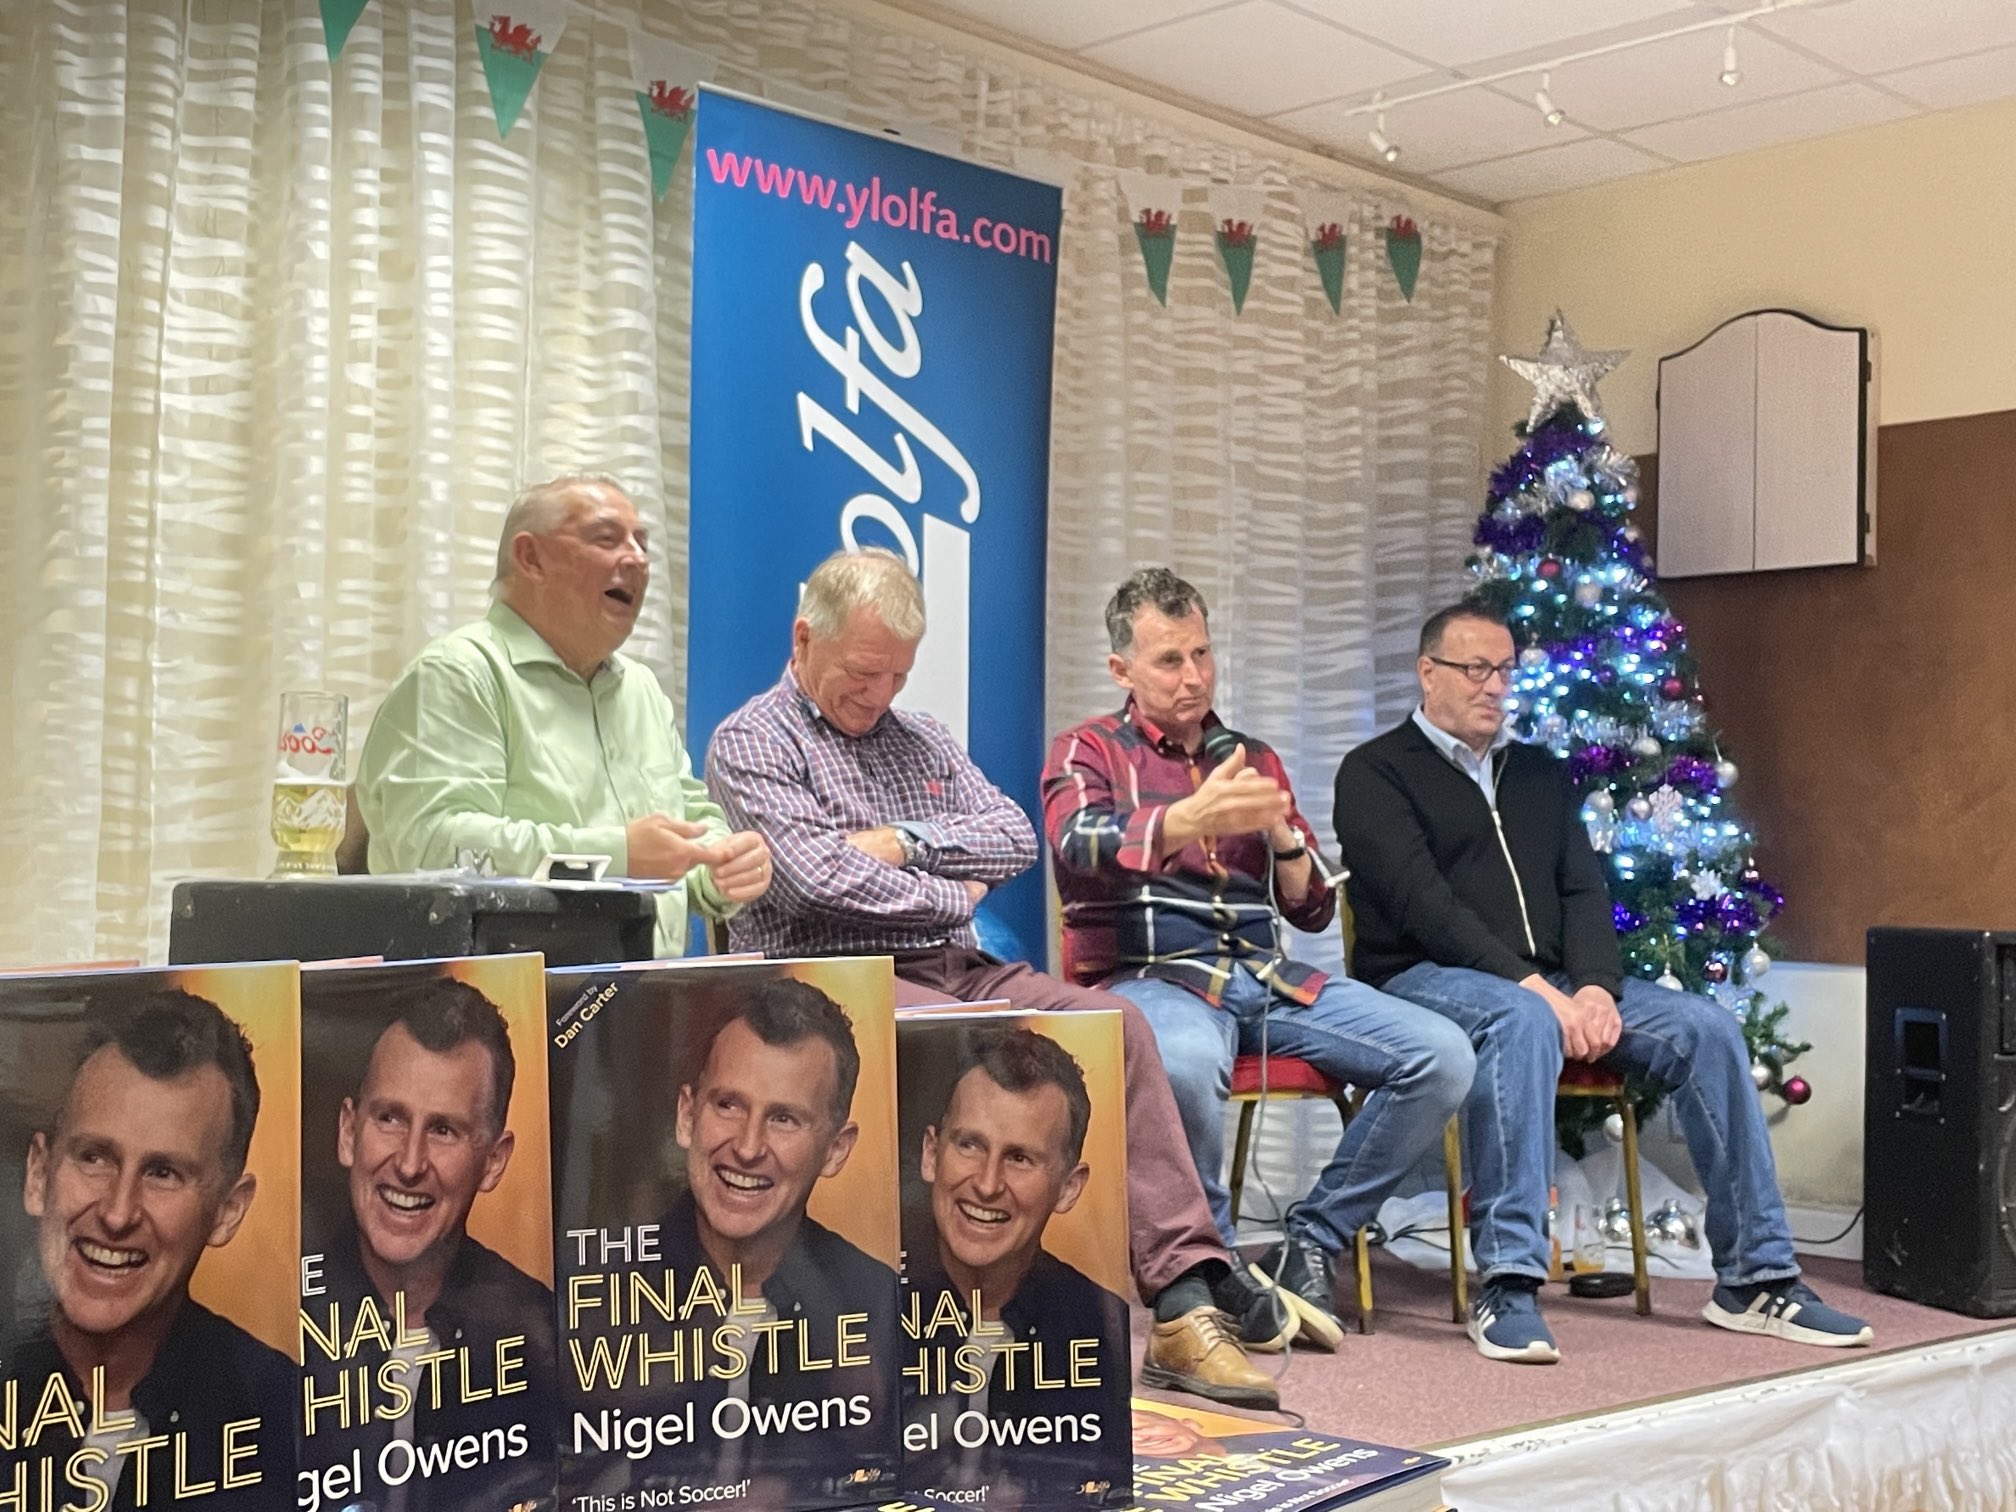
1872 710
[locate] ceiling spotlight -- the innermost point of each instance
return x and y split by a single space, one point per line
1387 149
1731 74
1549 112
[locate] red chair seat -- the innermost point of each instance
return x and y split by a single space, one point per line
1285 1074
1585 1076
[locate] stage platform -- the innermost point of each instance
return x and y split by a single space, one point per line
1668 1412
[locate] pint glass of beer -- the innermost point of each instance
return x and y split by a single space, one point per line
308 783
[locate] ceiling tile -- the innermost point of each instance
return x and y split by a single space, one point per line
1590 161
1972 80
1072 24
1680 77
1254 57
1869 36
1455 32
1816 113
1463 127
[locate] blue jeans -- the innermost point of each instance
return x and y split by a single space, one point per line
1417 1067
1686 1043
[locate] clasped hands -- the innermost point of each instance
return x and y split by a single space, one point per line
667 848
1590 1023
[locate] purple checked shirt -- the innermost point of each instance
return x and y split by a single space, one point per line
776 766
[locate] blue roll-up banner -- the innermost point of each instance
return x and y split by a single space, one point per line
871 367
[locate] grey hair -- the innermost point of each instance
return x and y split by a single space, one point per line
871 578
1151 588
539 511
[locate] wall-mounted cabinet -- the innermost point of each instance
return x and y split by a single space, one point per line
1766 455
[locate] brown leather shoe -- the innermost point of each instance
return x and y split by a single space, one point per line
1199 1353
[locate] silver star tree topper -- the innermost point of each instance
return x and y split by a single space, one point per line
1563 372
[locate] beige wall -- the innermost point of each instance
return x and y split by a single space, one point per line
1908 228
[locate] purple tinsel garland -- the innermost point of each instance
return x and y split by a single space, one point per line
1596 761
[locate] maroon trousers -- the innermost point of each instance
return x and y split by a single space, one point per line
1169 1227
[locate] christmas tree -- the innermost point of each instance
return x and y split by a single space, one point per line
1605 680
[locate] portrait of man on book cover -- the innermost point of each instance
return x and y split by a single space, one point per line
430 1355
1019 1366
135 1105
762 1363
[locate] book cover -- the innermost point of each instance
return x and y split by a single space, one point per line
427 1314
1189 1457
724 1149
1016 1357
150 1123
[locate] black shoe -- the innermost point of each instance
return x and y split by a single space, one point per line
1260 1312
1301 1268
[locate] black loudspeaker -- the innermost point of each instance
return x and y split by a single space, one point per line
1939 1126
406 919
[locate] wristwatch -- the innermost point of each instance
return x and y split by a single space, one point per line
913 852
1300 850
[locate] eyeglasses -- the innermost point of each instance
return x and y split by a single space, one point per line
1479 672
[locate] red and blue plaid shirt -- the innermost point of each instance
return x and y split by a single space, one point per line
776 766
1190 918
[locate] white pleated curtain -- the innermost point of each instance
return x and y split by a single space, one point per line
279 342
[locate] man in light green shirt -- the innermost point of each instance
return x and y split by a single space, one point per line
526 733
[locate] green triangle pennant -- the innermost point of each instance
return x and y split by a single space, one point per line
668 117
512 54
1328 247
1403 254
338 16
1236 245
1155 232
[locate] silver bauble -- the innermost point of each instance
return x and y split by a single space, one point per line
1673 1224
1581 500
1588 595
1532 659
1760 1073
1725 774
1601 802
1613 1128
1669 981
1616 1221
1756 961
1639 807
1646 745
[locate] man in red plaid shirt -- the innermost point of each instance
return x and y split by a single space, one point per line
885 837
1179 852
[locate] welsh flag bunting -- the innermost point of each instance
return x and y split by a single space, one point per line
514 39
667 80
1403 253
1236 213
1151 205
1326 241
338 16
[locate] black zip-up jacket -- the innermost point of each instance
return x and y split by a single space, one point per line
1434 877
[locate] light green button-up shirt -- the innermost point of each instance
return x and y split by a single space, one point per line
489 743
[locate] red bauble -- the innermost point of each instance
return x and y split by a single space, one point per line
1797 1090
1672 687
1550 568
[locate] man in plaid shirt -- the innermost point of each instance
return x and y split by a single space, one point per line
885 837
1178 851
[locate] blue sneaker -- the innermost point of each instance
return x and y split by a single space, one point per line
1785 1309
1505 1323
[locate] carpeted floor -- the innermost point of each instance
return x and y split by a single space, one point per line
1418 1382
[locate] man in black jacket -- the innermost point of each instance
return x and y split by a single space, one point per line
1476 893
